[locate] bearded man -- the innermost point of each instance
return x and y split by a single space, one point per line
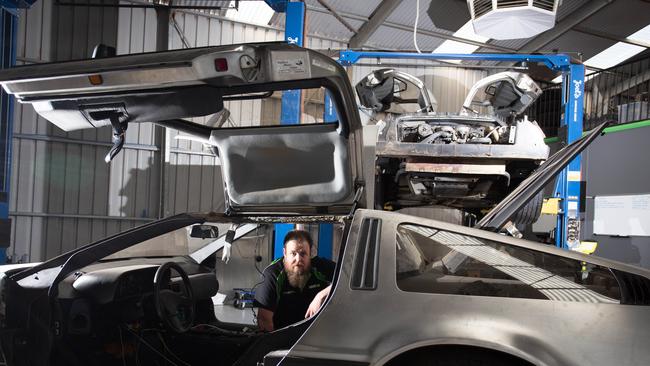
294 286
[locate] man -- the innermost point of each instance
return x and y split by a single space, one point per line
294 286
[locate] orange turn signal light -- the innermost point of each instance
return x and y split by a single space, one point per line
95 79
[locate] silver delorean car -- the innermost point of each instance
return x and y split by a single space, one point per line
406 290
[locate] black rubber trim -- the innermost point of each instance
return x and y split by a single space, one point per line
366 259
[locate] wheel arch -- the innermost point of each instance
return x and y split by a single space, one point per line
491 351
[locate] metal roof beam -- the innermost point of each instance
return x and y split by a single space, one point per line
378 17
576 17
420 31
336 15
610 36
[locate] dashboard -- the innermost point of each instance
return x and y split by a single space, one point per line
106 282
107 293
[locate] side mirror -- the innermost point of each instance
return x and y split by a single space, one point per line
204 232
103 51
376 90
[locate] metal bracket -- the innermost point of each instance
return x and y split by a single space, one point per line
173 21
119 130
357 197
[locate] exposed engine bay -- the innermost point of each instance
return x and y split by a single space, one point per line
468 160
454 133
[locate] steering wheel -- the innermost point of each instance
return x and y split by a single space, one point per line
174 308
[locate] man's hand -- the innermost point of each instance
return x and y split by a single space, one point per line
264 320
318 301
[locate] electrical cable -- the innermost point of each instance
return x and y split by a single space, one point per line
224 331
415 26
122 344
257 249
152 347
170 351
257 253
137 353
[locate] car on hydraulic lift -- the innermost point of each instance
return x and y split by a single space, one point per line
469 160
406 290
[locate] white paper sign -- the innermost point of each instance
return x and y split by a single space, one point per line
627 215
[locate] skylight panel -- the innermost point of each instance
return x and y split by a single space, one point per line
254 12
450 46
613 55
620 51
617 53
642 35
466 32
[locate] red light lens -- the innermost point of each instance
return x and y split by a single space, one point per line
221 64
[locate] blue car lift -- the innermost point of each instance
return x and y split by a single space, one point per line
8 31
290 114
568 183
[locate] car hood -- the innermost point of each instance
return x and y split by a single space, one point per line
298 169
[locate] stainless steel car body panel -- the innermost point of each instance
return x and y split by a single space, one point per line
322 176
380 324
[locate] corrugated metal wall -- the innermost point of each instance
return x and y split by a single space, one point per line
52 210
63 195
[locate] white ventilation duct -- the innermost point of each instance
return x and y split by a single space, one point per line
511 19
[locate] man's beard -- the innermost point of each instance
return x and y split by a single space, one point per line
298 277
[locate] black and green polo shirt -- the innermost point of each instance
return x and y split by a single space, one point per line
289 304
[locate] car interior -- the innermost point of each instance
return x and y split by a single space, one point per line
170 300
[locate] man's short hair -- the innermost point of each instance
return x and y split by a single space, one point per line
299 235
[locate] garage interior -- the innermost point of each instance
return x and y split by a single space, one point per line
59 193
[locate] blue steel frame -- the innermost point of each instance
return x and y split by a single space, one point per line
8 32
568 183
326 231
291 112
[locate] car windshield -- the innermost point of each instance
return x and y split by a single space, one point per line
176 243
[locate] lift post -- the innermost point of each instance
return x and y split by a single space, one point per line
8 32
568 183
291 113
291 110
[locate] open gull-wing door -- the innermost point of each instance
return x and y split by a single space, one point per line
520 196
508 94
303 168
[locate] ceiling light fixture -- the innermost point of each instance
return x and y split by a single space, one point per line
512 19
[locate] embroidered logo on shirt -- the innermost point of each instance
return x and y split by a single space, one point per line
314 285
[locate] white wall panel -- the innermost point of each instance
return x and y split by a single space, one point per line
53 178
